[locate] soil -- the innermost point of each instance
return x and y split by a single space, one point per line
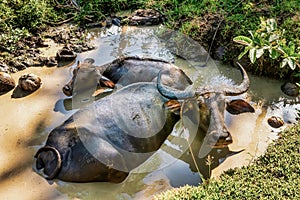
27 51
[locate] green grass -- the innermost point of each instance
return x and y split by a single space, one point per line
275 175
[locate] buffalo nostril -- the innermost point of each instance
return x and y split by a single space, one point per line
226 138
229 139
67 88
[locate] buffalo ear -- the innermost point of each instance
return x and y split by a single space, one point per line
89 60
173 106
238 106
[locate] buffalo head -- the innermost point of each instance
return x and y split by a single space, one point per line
214 101
87 69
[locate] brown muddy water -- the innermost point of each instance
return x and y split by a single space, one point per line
26 122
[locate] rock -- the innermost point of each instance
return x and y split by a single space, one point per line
4 68
106 23
95 25
238 106
275 122
290 89
32 63
65 54
13 70
51 62
219 53
144 17
7 83
18 65
48 61
29 82
116 22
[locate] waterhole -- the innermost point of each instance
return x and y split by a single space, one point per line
26 122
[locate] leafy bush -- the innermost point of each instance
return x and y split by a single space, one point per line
272 41
30 14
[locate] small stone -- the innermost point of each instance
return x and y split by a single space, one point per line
116 22
7 83
4 68
144 17
65 55
17 64
29 82
290 89
275 122
51 62
219 53
32 63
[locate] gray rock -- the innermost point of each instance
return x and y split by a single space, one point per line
290 89
29 82
7 83
4 68
275 122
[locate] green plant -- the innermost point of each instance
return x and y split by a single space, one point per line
209 161
272 41
11 39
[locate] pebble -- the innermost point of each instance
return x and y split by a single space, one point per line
29 82
7 83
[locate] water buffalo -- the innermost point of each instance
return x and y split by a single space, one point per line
124 71
105 140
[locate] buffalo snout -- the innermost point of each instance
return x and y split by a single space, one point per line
219 140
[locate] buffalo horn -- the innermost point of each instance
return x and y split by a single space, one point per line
239 89
172 93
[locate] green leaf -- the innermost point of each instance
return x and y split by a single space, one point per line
271 25
251 33
283 63
291 63
244 52
273 37
259 52
252 55
291 47
282 51
243 40
258 39
273 54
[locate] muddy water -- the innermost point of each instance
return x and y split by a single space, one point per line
26 122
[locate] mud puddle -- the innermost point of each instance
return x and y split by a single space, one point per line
26 122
